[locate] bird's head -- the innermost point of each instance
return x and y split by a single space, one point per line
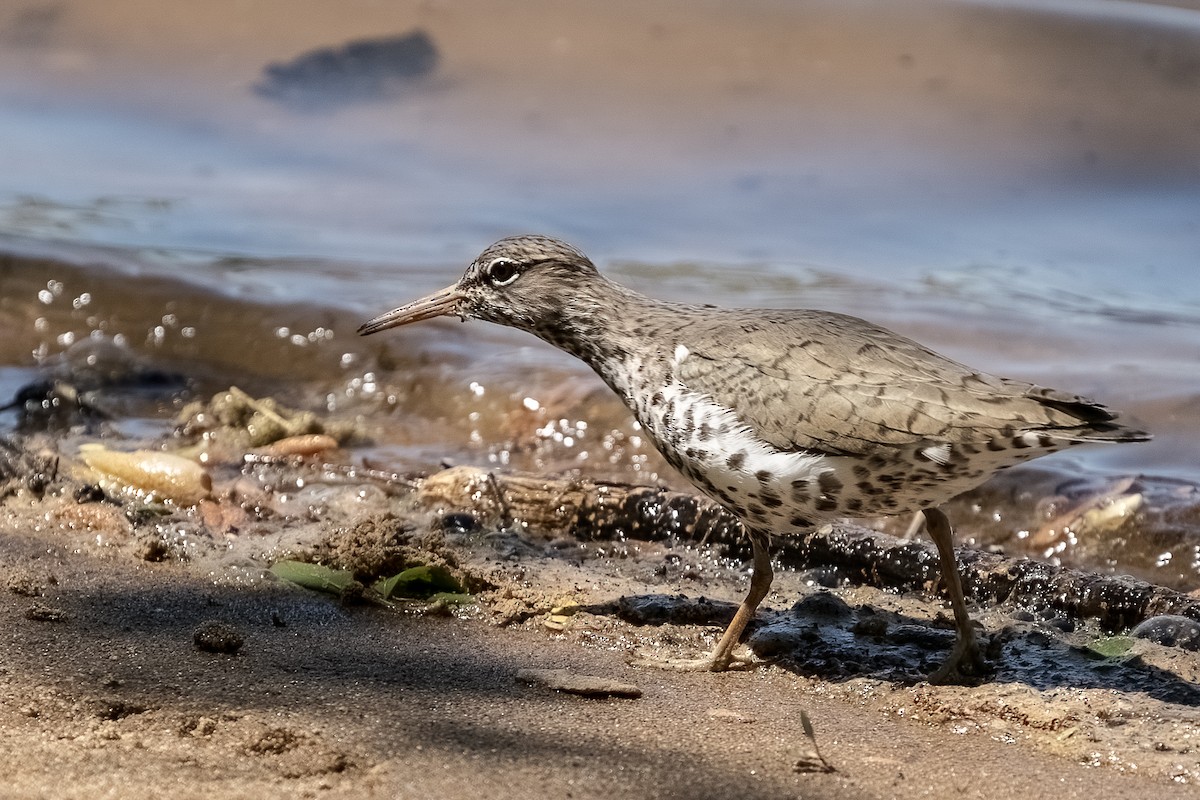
525 282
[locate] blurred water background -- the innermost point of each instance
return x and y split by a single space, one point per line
224 190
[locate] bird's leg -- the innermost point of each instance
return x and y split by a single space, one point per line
722 657
965 658
760 584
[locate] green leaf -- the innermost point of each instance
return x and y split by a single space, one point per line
315 576
1112 646
452 598
422 581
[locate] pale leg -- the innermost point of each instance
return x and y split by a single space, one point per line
722 656
965 658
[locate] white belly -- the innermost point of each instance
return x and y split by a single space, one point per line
781 491
720 454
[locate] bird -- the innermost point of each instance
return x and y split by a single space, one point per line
788 419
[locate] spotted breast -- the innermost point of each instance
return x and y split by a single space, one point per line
785 417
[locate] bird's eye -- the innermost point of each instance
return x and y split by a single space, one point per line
502 272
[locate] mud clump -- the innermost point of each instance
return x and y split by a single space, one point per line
43 613
383 545
1170 630
218 637
274 741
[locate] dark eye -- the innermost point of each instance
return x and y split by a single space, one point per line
502 272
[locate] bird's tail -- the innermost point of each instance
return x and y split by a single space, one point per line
1095 422
1111 432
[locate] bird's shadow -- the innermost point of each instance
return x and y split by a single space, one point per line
824 637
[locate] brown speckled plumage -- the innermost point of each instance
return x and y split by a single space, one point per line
785 417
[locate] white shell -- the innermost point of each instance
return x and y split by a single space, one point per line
155 474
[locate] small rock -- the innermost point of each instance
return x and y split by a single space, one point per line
1172 630
113 709
556 622
820 605
89 493
205 726
154 550
40 613
24 585
871 626
779 639
273 742
563 680
460 523
218 637
656 609
198 727
1039 638
922 636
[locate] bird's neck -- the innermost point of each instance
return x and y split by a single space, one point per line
624 336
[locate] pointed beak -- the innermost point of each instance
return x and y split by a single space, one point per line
435 305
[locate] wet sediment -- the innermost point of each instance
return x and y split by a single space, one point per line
597 510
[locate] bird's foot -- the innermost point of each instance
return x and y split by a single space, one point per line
713 662
965 663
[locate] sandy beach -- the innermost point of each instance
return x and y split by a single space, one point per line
201 203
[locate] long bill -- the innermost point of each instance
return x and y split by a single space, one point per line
435 305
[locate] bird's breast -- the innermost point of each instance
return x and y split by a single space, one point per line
707 441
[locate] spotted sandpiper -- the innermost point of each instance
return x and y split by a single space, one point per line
786 418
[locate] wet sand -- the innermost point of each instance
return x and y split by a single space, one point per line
894 164
105 692
116 701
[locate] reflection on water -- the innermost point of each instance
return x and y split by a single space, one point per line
367 70
1014 184
865 136
44 218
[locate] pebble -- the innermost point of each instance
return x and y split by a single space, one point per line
564 680
218 637
43 613
871 626
1172 630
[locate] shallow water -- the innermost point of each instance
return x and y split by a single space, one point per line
228 190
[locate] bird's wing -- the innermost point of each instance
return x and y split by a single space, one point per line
827 382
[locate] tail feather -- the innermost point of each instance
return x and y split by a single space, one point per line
1111 432
1098 423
